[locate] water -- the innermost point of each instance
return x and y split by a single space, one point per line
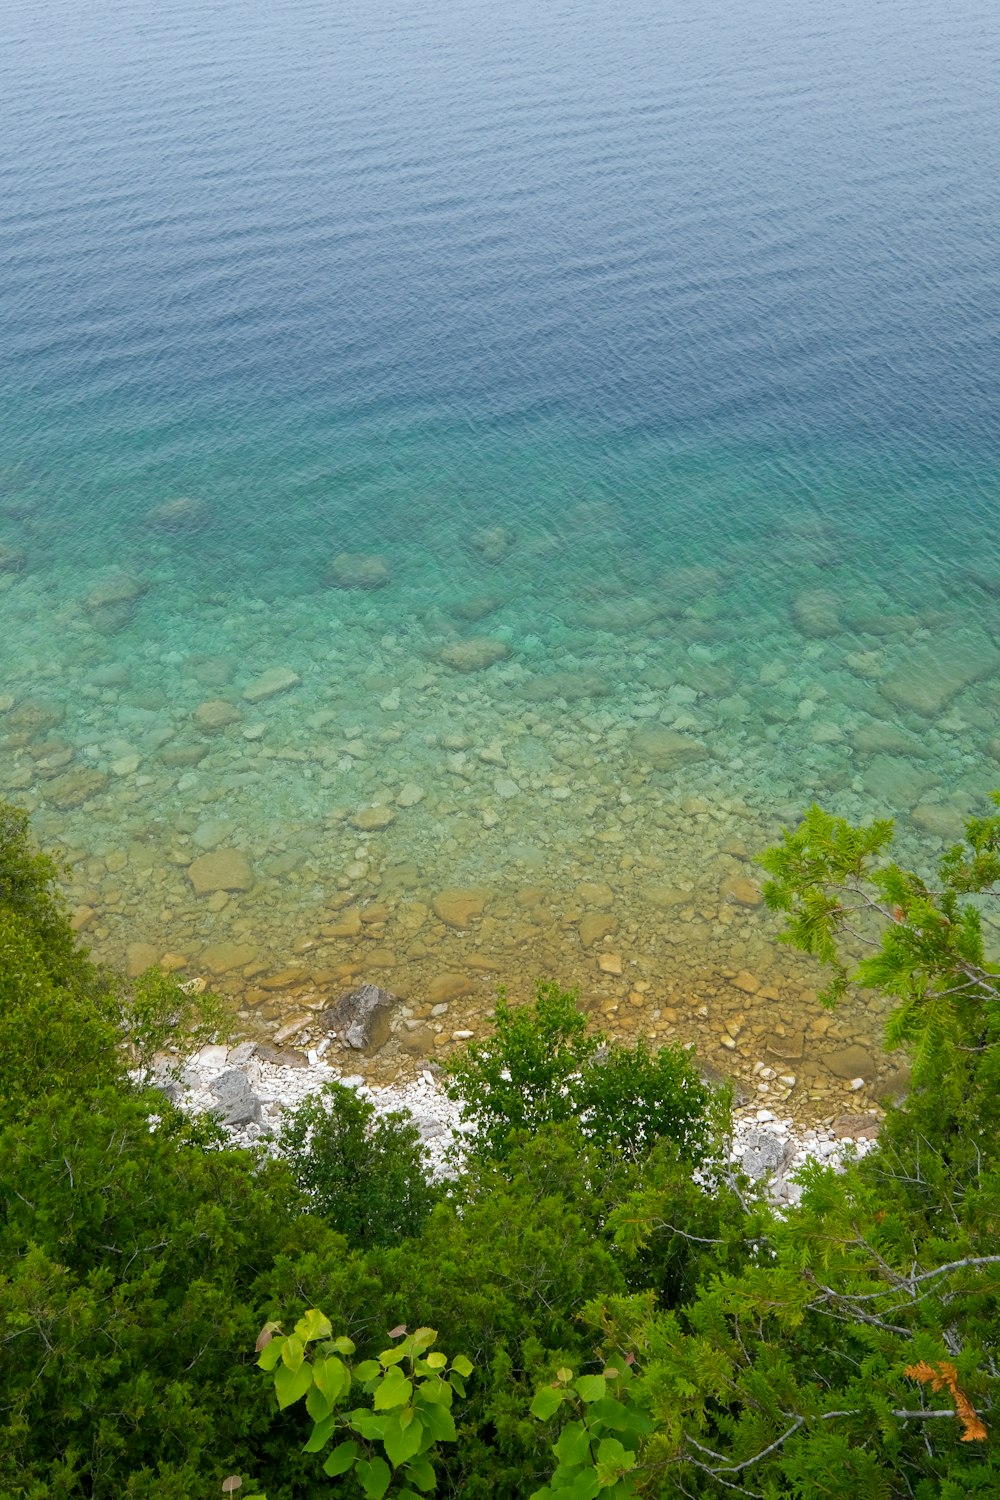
656 348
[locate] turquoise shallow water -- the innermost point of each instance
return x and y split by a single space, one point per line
646 363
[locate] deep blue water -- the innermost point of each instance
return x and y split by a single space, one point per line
644 287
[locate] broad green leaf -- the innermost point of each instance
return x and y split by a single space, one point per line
547 1401
374 1476
462 1365
611 1412
368 1424
367 1370
270 1355
402 1443
313 1325
420 1472
421 1339
392 1356
320 1435
341 1459
435 1360
395 1390
581 1485
318 1406
292 1352
591 1387
291 1385
345 1346
332 1377
439 1422
573 1446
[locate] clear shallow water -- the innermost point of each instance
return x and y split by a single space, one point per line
660 350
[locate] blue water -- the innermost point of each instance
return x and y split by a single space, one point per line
670 332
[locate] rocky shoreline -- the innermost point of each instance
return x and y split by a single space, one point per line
249 1093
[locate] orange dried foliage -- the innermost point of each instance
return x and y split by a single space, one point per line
945 1374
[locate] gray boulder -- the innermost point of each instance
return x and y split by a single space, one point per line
362 1019
762 1152
238 1104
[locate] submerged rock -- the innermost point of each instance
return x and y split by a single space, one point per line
358 570
33 717
571 686
11 559
272 682
75 788
475 654
475 608
932 675
458 907
373 819
117 588
665 748
215 715
183 514
493 544
222 870
111 603
816 613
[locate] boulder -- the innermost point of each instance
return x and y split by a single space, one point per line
665 748
939 821
183 514
75 788
932 675
362 1018
457 908
762 1152
895 781
222 870
595 926
851 1062
238 1104
358 570
571 686
373 819
275 680
34 717
476 607
816 613
474 654
116 588
215 715
222 958
493 544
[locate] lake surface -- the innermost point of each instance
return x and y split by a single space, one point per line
586 415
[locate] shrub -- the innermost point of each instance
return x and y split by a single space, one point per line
365 1174
541 1068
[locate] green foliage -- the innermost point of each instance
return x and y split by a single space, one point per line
596 1450
411 1387
69 1023
924 946
848 1347
541 1068
366 1174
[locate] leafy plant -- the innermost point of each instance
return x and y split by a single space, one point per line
597 1447
411 1386
922 945
366 1174
540 1067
